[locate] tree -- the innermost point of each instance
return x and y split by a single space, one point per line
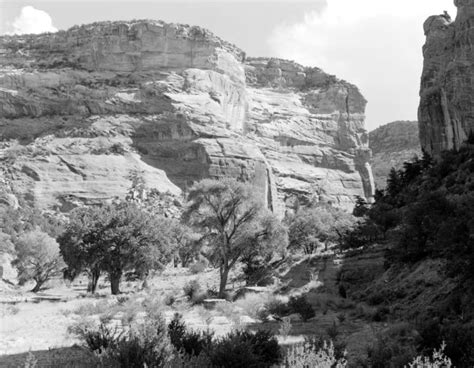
230 217
361 207
116 238
319 225
38 258
188 242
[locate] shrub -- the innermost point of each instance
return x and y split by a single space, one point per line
169 300
437 360
144 344
187 342
277 307
245 349
310 355
300 305
285 327
198 267
392 348
192 288
238 349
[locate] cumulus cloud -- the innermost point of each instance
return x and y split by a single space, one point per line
32 20
372 43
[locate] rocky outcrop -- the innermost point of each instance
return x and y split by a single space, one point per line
392 145
89 105
446 112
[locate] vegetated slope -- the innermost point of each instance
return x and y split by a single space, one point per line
89 105
393 144
426 216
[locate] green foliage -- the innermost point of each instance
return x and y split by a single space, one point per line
38 258
116 238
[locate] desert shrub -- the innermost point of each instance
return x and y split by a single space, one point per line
187 342
194 292
300 305
458 340
437 360
169 299
117 149
246 349
143 344
198 267
237 349
277 307
191 288
312 355
254 304
394 347
332 331
285 327
381 314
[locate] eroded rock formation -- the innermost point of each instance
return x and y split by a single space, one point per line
91 104
393 144
446 112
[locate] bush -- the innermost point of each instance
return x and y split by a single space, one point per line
238 349
437 360
277 307
198 267
245 349
312 355
300 305
169 300
187 342
191 289
144 344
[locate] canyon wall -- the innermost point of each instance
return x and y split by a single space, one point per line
393 144
446 112
83 109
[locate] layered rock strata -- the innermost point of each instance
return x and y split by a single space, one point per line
82 109
446 112
393 144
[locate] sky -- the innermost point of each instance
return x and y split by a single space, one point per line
375 44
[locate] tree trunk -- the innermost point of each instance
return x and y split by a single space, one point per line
38 285
115 282
224 273
93 280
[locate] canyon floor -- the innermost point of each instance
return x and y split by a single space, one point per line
40 324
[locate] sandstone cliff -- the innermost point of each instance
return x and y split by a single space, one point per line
89 105
446 112
392 145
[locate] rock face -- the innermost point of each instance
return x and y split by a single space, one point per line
89 105
446 112
392 145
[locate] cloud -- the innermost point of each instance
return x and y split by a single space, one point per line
32 20
372 43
